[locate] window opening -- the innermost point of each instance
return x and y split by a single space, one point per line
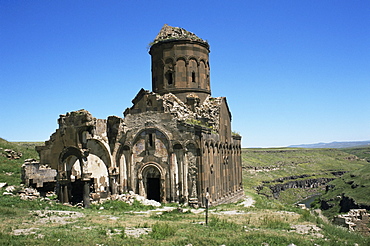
151 140
193 76
170 78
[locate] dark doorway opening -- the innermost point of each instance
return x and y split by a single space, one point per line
76 192
153 189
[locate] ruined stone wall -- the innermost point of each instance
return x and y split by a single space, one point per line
354 220
168 151
35 174
174 144
222 173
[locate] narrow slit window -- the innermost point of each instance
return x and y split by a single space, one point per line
170 78
151 140
193 76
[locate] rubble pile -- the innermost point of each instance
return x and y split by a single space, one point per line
10 154
29 194
354 220
168 32
209 110
176 107
8 189
131 197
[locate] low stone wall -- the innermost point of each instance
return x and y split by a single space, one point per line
34 174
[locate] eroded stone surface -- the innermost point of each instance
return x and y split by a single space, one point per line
174 144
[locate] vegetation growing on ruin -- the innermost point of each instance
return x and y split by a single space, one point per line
200 123
269 221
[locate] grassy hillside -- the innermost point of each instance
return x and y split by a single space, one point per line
352 189
268 167
269 222
10 169
354 185
360 152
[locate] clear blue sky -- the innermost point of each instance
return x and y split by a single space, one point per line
293 71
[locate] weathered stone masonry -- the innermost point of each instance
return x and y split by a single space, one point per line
173 145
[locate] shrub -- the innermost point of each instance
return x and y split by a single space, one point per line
273 222
162 230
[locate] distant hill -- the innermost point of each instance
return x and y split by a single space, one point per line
336 145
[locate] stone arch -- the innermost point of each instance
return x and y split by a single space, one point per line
102 149
68 189
79 166
151 178
193 58
150 145
67 158
140 133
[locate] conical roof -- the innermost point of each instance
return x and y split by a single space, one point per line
175 33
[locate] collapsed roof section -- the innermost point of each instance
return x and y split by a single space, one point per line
206 113
175 33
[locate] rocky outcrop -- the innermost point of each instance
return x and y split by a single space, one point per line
296 181
303 184
10 154
345 204
304 181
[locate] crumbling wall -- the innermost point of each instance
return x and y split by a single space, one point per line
35 174
354 220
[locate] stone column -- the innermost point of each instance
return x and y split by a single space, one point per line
60 193
113 183
85 178
142 191
86 194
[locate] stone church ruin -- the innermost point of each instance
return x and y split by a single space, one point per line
174 143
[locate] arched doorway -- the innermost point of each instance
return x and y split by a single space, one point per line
152 183
81 172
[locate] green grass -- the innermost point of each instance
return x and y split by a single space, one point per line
10 170
360 152
269 165
268 222
120 206
162 230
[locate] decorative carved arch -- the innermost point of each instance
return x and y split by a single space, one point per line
196 59
181 58
68 151
191 142
148 165
204 61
